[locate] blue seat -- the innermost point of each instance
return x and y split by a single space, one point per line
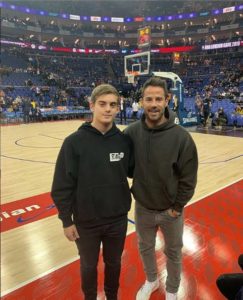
239 120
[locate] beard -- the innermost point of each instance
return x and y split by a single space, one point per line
155 115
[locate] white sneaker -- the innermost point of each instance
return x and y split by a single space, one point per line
147 289
170 296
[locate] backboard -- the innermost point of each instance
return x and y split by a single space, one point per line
137 64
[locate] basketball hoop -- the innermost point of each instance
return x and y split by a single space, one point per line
137 64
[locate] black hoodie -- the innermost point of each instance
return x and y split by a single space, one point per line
166 164
90 180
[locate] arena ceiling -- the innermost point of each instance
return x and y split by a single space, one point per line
122 8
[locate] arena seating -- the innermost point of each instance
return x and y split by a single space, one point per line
76 76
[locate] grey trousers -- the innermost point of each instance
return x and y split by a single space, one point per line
147 223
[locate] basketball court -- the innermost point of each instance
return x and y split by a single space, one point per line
39 263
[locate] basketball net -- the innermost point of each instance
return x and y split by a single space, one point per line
130 78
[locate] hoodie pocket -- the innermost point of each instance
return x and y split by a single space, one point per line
102 202
152 196
111 200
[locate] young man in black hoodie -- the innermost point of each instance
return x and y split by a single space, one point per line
91 191
164 180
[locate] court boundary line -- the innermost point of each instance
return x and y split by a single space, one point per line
217 190
221 161
28 160
20 285
27 146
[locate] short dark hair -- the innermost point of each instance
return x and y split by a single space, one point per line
155 81
104 89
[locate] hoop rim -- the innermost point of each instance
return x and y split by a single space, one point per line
132 74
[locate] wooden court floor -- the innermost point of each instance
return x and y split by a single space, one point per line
28 154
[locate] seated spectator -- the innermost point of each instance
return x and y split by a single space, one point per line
2 99
239 110
231 284
28 82
15 106
220 118
51 104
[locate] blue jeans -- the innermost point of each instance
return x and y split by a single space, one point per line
112 236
